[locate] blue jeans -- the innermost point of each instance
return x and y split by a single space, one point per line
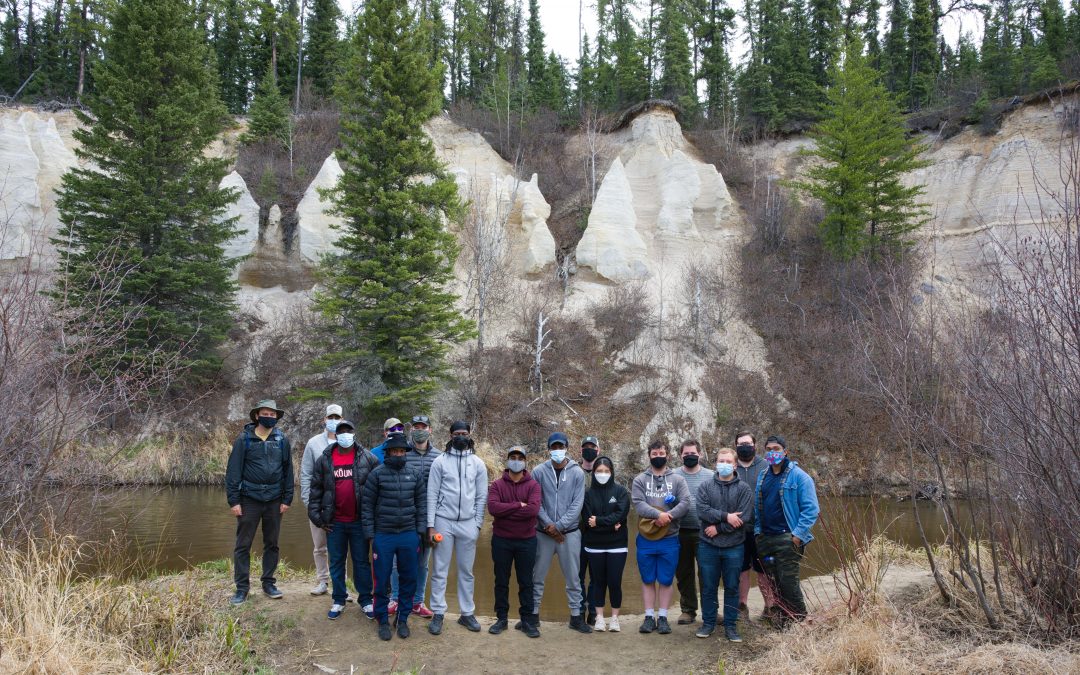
421 577
341 540
404 548
715 564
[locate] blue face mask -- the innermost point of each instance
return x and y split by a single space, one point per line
558 456
345 440
774 457
331 425
724 469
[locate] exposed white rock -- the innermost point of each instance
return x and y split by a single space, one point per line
246 212
317 233
530 215
680 186
273 241
611 245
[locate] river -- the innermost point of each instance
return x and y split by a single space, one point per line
178 527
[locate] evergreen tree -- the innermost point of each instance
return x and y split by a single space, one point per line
1053 37
231 39
144 211
714 31
870 33
676 71
923 52
534 46
864 151
998 60
629 74
322 47
391 319
554 89
896 62
287 41
269 115
825 38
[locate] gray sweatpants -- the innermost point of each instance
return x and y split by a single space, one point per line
569 553
459 540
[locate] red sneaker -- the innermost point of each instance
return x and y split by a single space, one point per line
422 612
391 608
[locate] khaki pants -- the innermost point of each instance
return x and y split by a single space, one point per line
322 562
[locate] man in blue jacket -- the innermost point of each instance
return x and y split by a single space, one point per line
786 509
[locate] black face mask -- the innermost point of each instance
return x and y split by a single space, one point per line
267 422
589 454
460 442
690 461
745 452
658 462
395 462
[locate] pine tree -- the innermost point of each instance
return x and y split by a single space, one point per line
896 61
825 38
268 118
231 40
1052 28
922 49
146 198
676 70
999 55
864 151
322 47
534 46
630 77
870 33
288 47
714 33
392 319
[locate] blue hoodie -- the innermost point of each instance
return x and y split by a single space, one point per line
798 497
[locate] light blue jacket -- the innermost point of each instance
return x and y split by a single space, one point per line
798 496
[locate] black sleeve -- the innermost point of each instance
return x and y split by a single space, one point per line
234 471
289 480
315 493
367 513
420 495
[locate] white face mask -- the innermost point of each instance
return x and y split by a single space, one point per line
558 456
331 425
602 478
345 440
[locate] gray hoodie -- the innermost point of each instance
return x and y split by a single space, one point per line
312 451
561 495
457 487
715 500
649 490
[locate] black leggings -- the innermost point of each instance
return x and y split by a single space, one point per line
606 570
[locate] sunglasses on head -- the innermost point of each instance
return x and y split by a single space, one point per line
421 419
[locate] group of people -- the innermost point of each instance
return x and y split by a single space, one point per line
405 506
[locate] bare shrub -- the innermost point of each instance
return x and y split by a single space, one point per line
485 244
708 301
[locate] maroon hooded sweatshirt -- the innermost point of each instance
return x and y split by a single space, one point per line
512 520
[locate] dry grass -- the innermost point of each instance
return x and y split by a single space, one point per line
55 620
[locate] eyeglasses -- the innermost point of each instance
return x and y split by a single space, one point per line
421 419
396 427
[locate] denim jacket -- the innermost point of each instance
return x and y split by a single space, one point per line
798 497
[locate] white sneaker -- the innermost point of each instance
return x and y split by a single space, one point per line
599 626
613 624
320 589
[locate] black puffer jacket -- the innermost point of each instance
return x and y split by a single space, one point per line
258 469
421 461
395 500
323 490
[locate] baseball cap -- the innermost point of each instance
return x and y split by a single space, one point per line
333 409
392 422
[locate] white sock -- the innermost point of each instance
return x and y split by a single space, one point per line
663 613
648 612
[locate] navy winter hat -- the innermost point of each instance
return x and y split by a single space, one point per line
558 437
396 440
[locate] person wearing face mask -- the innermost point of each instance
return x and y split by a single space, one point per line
686 576
562 486
787 508
725 506
603 527
334 506
661 499
590 450
312 451
514 502
420 456
394 520
392 425
456 494
748 465
259 488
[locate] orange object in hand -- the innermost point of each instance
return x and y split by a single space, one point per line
437 537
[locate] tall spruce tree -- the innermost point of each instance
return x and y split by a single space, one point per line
714 30
322 47
144 213
232 44
895 57
534 46
864 151
268 118
392 320
923 52
676 69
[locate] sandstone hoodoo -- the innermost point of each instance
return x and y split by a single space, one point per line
246 213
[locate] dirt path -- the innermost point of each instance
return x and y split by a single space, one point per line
305 641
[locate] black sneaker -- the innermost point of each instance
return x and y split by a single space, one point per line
272 591
662 626
238 598
435 627
532 626
470 622
705 631
731 634
498 627
648 626
384 631
578 623
520 625
402 629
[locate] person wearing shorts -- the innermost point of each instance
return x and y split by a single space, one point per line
660 497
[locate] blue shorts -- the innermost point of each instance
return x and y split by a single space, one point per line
657 560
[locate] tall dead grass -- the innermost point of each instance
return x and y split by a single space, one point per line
53 619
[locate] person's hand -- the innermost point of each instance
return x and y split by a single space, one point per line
663 519
734 520
237 511
617 526
795 540
524 505
710 531
328 528
560 537
283 508
431 534
551 530
592 521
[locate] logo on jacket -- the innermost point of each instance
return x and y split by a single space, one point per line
612 500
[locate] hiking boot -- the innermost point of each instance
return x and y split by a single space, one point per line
421 611
731 634
435 627
320 588
470 622
662 626
687 618
613 625
498 627
705 631
272 591
402 628
238 598
578 623
532 626
335 611
648 625
384 631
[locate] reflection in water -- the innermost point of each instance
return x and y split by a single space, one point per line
183 526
